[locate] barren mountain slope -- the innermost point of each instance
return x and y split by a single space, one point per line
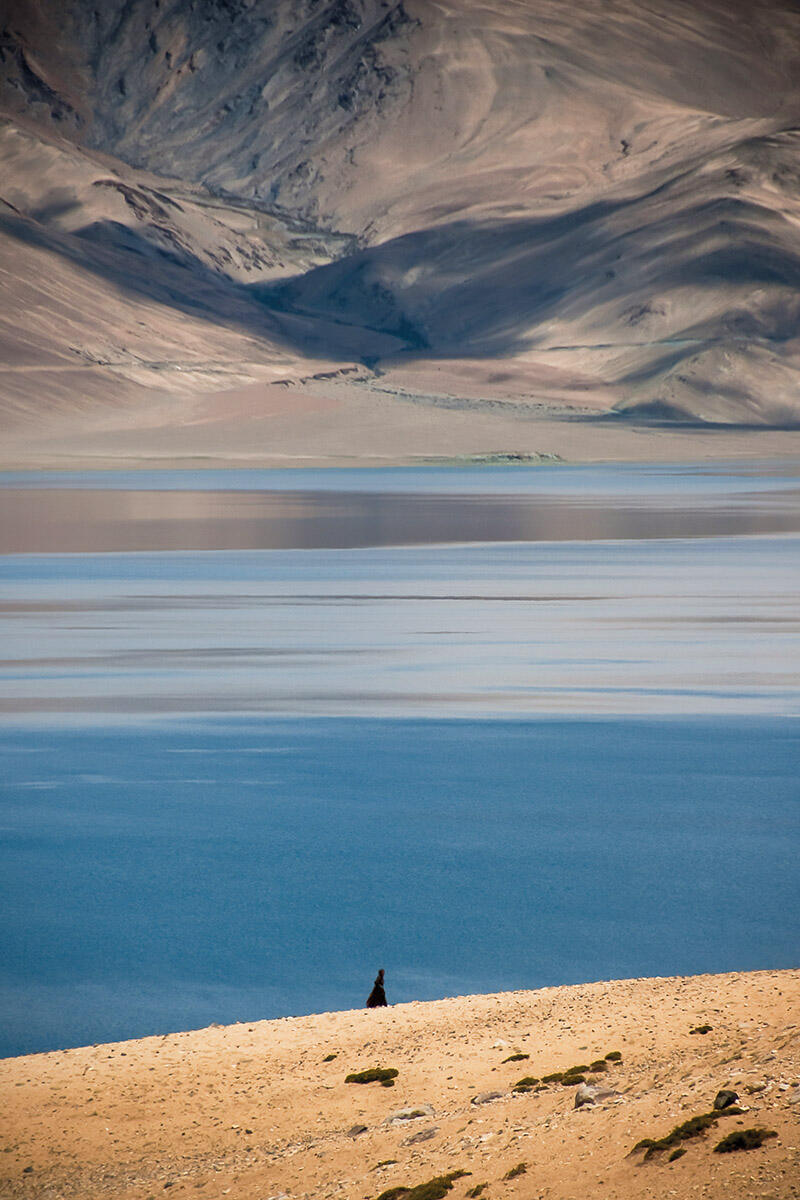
597 200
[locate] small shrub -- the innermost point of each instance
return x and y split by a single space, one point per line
613 1056
572 1080
435 1189
330 1057
579 1070
384 1075
599 1065
516 1057
744 1139
556 1077
387 1083
676 1154
692 1128
478 1190
519 1169
526 1084
701 1029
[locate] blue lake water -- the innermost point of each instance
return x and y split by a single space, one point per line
236 781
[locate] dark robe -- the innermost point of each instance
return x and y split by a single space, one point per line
377 997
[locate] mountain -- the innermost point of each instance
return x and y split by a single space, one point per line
585 209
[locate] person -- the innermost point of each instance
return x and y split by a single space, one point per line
377 997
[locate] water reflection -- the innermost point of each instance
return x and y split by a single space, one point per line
669 626
88 520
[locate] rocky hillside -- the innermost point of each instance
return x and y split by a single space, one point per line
598 199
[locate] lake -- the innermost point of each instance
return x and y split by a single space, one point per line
489 728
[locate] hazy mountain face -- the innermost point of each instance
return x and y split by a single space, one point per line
594 187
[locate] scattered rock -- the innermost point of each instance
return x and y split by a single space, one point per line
592 1093
753 1088
355 1130
487 1097
424 1135
795 1096
414 1113
725 1098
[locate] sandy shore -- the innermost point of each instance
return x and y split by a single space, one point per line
262 1110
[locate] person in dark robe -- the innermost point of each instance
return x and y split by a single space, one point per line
377 997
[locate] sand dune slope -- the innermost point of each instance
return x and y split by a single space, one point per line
263 1110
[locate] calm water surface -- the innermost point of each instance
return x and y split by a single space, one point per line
263 732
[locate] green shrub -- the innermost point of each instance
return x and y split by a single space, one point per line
526 1084
599 1065
478 1190
692 1128
744 1139
384 1075
330 1057
519 1169
435 1189
613 1056
516 1057
679 1153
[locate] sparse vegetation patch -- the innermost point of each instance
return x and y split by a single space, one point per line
526 1084
383 1075
435 1189
520 1169
744 1139
692 1128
